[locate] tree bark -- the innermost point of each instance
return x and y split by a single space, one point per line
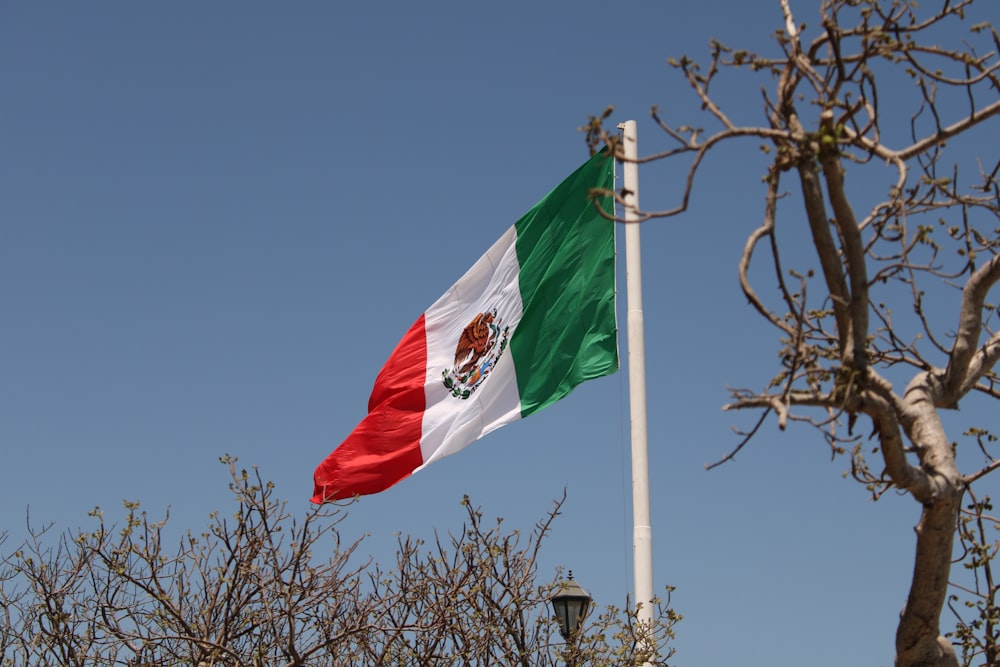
918 637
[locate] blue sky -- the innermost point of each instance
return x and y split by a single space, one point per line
217 220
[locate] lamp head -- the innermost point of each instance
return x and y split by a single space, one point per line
571 604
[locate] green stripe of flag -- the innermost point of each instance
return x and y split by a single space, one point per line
566 252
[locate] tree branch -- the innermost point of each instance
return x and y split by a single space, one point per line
855 352
826 249
960 362
924 144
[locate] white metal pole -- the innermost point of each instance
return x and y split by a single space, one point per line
642 532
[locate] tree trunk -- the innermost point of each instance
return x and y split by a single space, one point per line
918 638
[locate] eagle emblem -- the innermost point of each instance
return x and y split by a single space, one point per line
479 348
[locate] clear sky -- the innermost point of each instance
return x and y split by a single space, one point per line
217 219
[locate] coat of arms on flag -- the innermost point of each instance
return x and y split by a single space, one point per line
479 348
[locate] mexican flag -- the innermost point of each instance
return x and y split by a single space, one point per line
533 318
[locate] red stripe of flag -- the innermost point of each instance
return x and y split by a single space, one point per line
385 446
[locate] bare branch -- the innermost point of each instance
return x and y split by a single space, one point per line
963 353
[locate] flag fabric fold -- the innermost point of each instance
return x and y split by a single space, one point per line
532 318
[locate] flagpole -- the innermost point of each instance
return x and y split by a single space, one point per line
642 533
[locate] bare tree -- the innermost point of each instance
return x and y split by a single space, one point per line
264 587
831 100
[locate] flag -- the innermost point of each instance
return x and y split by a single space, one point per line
533 318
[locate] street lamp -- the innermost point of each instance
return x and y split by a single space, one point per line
570 603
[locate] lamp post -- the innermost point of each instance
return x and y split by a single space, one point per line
571 604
